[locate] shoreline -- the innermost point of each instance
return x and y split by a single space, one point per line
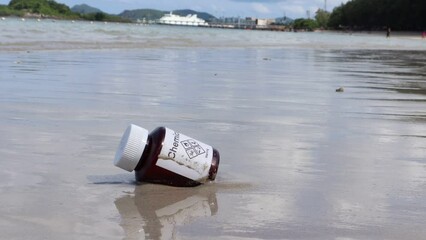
65 35
271 28
403 34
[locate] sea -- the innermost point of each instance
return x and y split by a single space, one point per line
322 135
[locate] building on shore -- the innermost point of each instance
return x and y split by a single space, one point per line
263 22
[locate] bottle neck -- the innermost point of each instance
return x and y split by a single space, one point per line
150 154
142 160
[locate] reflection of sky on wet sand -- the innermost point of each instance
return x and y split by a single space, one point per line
298 159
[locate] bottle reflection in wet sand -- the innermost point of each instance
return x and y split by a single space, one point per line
155 213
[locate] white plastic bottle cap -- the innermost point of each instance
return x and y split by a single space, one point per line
131 147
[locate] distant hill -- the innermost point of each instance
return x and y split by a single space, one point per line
202 15
52 9
84 9
152 14
42 7
6 11
148 14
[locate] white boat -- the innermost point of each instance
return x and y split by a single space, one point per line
189 20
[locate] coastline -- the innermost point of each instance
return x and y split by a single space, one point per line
400 34
64 35
272 28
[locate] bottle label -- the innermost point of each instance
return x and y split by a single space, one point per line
185 156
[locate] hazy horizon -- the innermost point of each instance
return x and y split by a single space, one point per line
219 8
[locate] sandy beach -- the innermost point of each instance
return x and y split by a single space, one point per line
298 159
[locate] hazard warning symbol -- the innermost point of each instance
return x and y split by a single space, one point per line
192 148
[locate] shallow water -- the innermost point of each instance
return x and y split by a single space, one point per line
298 159
32 34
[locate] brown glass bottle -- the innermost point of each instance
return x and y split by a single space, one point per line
147 169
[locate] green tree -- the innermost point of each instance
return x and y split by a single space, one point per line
6 11
46 7
53 9
305 24
337 18
100 16
378 14
322 18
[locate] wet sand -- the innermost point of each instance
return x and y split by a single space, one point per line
298 159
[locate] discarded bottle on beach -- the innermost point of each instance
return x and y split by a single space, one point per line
167 157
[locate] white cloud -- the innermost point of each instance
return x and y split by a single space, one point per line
260 8
293 9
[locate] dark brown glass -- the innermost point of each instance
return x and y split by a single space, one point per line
148 171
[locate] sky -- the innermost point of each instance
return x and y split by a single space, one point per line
218 8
